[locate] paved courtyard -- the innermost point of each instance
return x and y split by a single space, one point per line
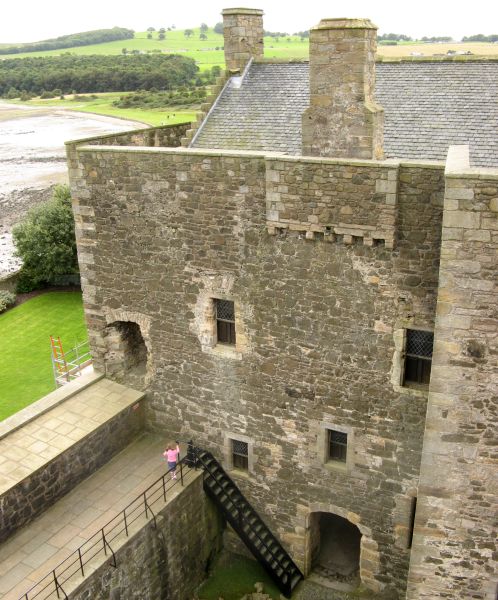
36 549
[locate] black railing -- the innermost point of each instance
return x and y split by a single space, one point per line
101 542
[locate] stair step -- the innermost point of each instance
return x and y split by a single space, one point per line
248 524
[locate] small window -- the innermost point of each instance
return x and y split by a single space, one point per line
418 356
338 444
225 321
240 455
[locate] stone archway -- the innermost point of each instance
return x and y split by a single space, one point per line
335 549
323 523
126 340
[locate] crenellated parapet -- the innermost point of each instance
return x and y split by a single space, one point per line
341 200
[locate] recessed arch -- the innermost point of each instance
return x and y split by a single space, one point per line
127 348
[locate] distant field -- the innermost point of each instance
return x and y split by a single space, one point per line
202 51
205 54
477 48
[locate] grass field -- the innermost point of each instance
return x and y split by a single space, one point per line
25 363
102 105
205 54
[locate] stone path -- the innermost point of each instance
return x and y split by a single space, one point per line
35 550
39 439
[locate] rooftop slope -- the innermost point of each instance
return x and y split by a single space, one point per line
428 106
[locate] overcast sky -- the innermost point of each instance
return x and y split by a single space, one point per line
33 20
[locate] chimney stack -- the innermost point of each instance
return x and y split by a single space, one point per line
343 120
243 34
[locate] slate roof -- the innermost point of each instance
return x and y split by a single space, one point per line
427 107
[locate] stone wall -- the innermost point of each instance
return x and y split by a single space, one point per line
454 546
343 119
316 327
23 502
167 563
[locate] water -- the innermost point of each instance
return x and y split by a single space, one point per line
32 158
32 144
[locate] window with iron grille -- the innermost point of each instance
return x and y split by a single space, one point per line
225 321
418 356
240 455
337 446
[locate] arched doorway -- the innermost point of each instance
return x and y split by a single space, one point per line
335 550
126 355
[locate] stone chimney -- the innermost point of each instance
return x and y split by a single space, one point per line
243 33
343 120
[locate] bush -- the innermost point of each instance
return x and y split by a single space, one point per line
12 93
6 299
45 241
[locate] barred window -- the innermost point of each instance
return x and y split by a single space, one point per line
337 445
240 455
418 356
225 321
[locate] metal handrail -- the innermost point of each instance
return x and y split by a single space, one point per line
68 367
102 539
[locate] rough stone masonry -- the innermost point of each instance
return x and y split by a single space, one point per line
329 261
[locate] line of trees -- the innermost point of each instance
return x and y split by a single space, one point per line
95 73
86 38
436 38
481 38
394 37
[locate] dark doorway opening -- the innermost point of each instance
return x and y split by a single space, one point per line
335 554
126 357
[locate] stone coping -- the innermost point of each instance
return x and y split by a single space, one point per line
242 11
458 165
389 163
29 447
38 408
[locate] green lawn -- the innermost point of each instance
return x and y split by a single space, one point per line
25 363
102 105
235 577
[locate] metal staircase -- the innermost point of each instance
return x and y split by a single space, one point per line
246 522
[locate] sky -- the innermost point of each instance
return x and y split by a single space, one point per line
34 20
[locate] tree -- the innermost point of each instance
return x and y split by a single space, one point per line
188 33
150 29
218 28
203 36
45 240
149 36
162 30
124 51
204 27
161 36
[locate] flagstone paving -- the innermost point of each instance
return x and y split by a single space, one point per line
35 550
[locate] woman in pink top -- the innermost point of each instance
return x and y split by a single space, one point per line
171 454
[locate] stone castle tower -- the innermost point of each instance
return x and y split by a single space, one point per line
323 266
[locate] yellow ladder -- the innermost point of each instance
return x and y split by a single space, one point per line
59 359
